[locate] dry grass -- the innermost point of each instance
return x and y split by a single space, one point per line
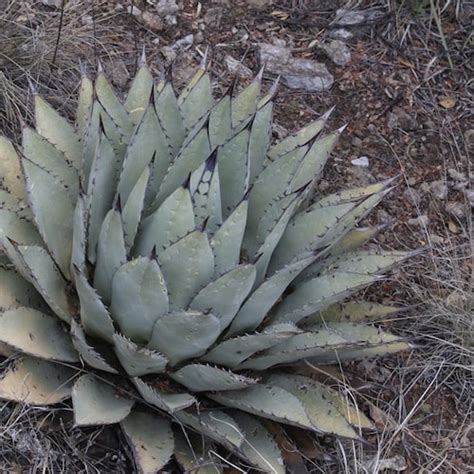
30 50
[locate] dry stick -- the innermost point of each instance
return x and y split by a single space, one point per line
58 37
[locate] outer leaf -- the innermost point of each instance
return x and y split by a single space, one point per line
196 99
323 414
315 160
265 251
220 126
138 361
170 403
214 424
18 229
10 171
204 378
36 382
53 211
139 297
259 446
267 401
226 242
79 236
113 107
271 186
111 254
36 334
191 155
58 131
318 293
265 296
10 202
184 335
362 353
300 138
193 455
188 266
46 278
148 141
224 296
151 438
16 291
51 160
353 312
307 232
260 135
169 223
138 94
170 117
366 262
233 161
233 352
88 353
244 105
100 191
94 315
132 212
84 105
98 403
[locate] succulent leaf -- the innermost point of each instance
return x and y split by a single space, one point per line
139 297
184 335
205 378
98 403
138 94
151 439
58 132
138 361
36 382
36 334
10 171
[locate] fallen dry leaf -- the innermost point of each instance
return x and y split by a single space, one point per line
447 103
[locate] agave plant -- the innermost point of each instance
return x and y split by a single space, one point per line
164 264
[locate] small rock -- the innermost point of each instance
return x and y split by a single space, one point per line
168 9
469 193
456 175
357 142
152 21
439 189
259 3
424 187
399 118
133 10
169 53
456 209
412 196
337 51
362 161
213 16
346 17
297 73
183 44
237 68
341 34
469 137
436 239
52 3
419 221
383 217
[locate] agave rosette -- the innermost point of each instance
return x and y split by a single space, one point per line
166 248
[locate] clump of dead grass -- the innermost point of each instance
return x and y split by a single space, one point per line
32 49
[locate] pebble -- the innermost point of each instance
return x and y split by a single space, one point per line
420 220
412 196
236 67
456 209
439 189
338 51
456 175
362 161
